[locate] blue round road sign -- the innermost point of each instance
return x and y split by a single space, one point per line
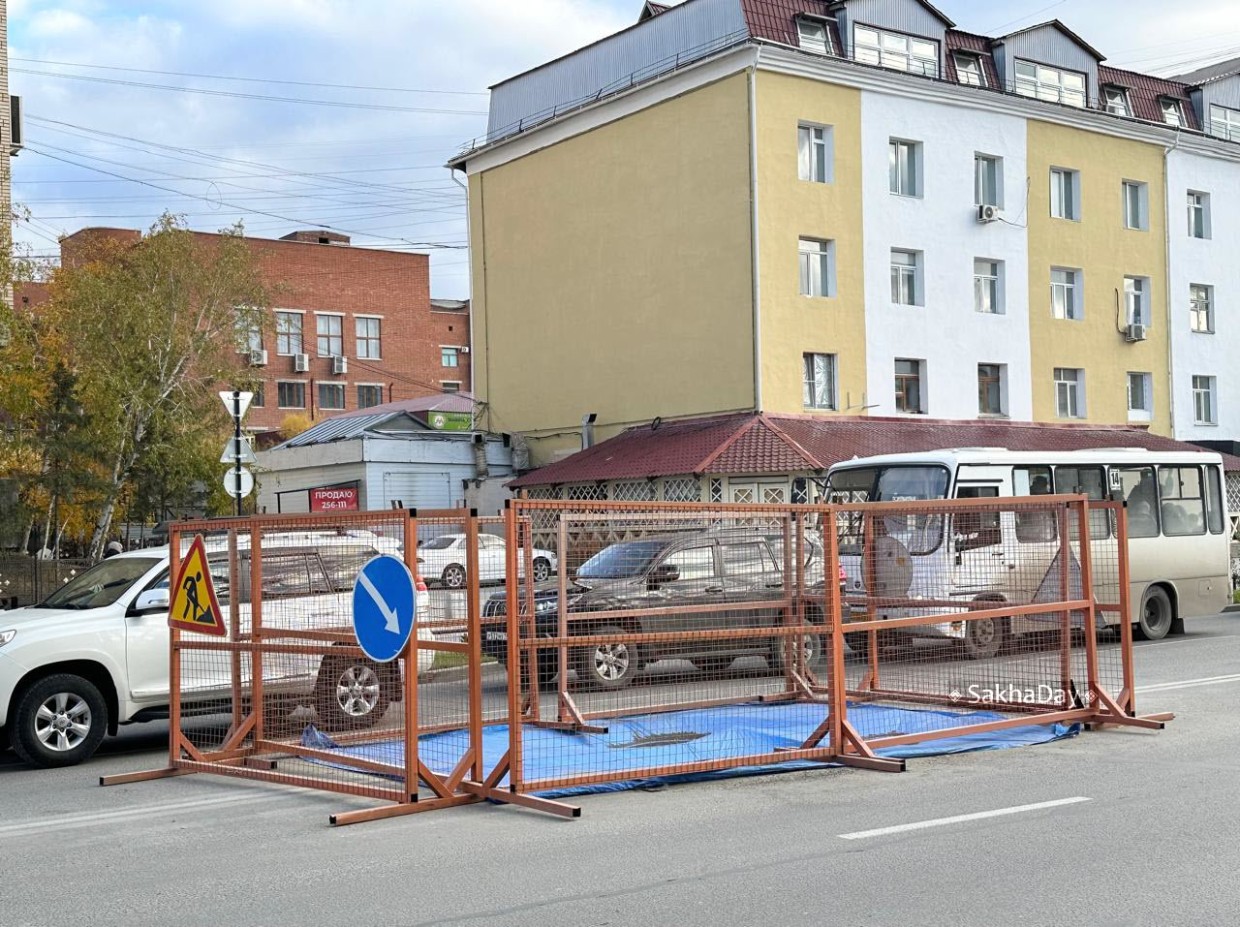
384 604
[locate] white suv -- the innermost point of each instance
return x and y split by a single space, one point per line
94 655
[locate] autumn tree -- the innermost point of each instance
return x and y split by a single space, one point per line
150 328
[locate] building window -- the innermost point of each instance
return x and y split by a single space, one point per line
817 261
1225 123
1198 214
1136 205
330 329
895 51
1117 101
987 180
904 167
969 69
249 336
1065 194
448 357
1137 300
818 381
368 395
291 395
987 288
1069 392
1140 400
1052 84
1066 302
815 153
260 396
450 386
1201 307
990 389
1171 113
908 386
288 333
813 35
367 331
331 396
906 277
1205 411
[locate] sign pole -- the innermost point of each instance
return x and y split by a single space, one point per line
237 449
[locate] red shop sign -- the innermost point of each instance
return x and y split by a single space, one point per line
338 499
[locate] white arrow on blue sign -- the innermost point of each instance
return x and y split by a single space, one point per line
384 604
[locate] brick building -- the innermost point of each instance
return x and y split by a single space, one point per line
351 327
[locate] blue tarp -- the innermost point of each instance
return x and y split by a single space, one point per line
694 735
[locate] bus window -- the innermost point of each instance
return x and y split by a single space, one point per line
1038 526
1137 485
976 529
1183 503
1091 483
1214 501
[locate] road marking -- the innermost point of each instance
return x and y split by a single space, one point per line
1189 683
960 818
93 818
391 621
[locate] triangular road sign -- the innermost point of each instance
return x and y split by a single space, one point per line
239 447
194 605
236 405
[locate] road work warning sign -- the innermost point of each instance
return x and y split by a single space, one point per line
194 605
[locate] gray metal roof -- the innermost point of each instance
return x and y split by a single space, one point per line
344 428
1210 72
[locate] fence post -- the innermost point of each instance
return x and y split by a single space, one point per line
412 759
513 623
837 696
1093 683
1128 697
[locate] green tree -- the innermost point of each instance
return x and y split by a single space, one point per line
150 328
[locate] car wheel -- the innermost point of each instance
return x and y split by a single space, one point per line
350 694
610 665
813 646
542 569
59 721
1154 622
453 576
712 665
859 643
984 638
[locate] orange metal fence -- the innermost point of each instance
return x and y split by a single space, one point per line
640 640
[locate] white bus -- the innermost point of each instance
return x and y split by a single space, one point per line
1178 544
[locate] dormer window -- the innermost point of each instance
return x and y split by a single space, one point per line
1171 112
1117 101
1052 84
969 69
896 51
1225 123
813 35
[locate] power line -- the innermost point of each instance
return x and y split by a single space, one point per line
255 80
266 98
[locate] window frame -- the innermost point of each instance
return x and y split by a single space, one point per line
1140 222
330 338
1066 194
297 386
1125 108
983 165
1074 307
1047 91
1197 308
815 154
1137 308
1145 411
446 351
995 381
1198 202
810 387
1230 121
337 389
976 61
285 334
906 278
904 175
377 387
1205 393
1172 112
825 255
883 53
903 394
992 281
365 342
819 44
1071 388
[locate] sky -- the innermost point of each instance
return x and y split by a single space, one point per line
288 114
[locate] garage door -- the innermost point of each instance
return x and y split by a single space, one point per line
418 490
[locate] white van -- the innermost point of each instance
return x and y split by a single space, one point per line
94 654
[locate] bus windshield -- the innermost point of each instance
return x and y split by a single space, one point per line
921 533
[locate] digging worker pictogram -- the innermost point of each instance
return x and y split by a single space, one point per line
193 610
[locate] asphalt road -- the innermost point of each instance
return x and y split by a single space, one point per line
1126 828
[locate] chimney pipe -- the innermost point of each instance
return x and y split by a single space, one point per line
587 429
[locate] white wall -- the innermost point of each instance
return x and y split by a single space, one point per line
947 333
1213 262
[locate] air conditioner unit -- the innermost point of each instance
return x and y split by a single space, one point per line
258 358
1134 332
465 350
301 363
340 364
986 213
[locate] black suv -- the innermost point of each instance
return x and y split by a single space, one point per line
720 568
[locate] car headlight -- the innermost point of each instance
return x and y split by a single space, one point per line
546 605
6 636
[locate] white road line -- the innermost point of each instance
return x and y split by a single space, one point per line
106 817
960 818
1189 683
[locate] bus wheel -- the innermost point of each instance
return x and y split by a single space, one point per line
984 638
1155 619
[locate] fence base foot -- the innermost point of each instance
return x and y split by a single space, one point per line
144 776
400 810
1145 722
526 801
877 763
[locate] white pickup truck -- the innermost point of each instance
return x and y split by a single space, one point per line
94 654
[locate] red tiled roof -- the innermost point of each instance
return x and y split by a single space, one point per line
775 20
1144 92
752 443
